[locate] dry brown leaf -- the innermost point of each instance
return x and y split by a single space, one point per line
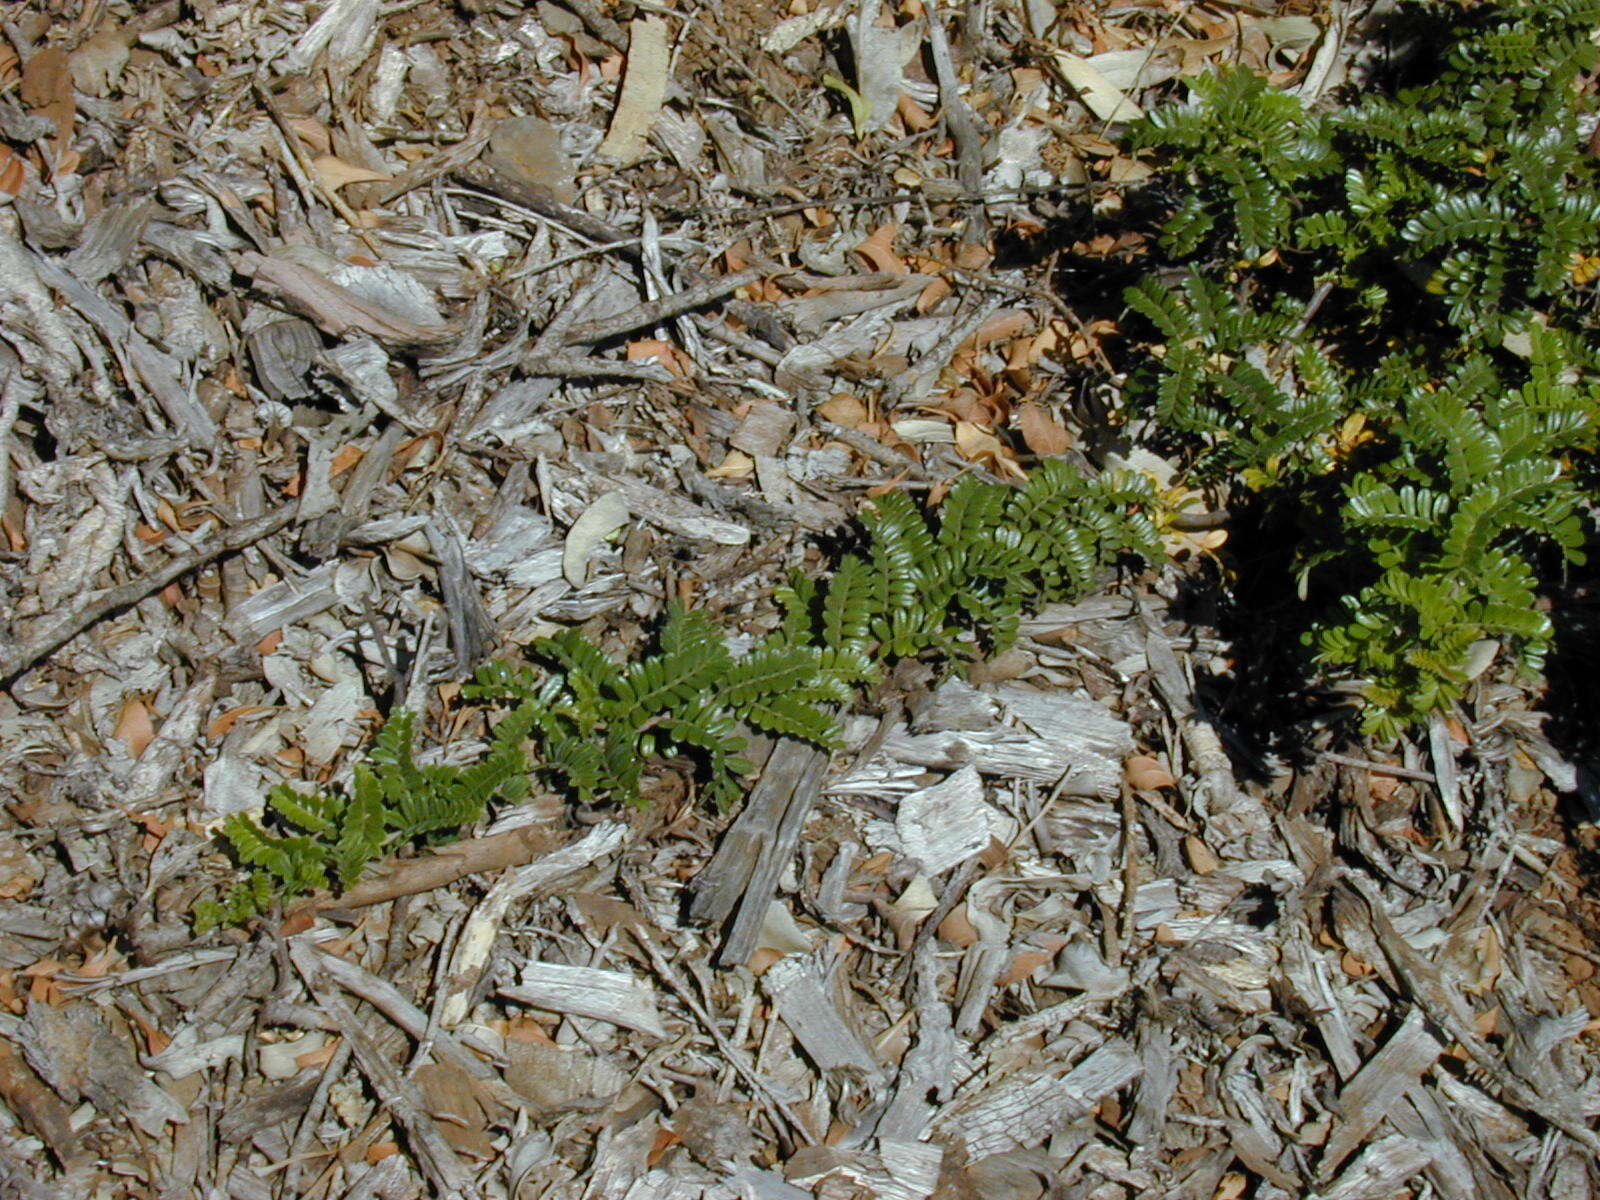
42 1114
1202 859
97 64
334 173
13 172
915 117
20 872
936 291
665 353
344 458
970 256
1040 430
877 251
1128 170
1146 773
979 445
47 89
1353 966
135 730
845 409
1004 325
223 725
957 929
762 958
316 136
1024 965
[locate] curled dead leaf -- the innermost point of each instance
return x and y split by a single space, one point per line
878 251
1146 773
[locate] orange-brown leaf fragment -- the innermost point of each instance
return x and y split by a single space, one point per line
1146 773
135 729
878 251
1040 430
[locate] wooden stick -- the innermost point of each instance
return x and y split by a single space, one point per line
14 661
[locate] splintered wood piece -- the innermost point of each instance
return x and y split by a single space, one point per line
400 1096
16 659
1381 1084
1022 1112
613 996
742 877
475 946
804 1005
1380 1172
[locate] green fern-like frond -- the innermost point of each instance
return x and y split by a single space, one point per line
1429 420
946 582
364 830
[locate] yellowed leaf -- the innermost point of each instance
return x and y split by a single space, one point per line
735 465
593 527
1102 97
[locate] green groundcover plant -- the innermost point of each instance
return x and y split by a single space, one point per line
1386 328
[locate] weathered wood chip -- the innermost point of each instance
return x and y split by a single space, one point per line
1380 1085
612 996
803 1004
1020 1113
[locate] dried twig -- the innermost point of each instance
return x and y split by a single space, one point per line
412 876
691 298
959 118
14 661
434 1155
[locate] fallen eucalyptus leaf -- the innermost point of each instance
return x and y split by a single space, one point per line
597 523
